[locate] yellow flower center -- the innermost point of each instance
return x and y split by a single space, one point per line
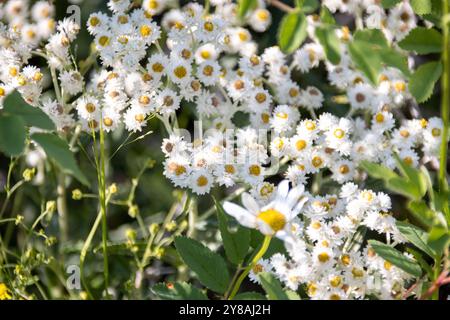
339 133
257 268
265 118
205 54
335 296
180 72
293 92
107 122
94 21
357 273
344 169
229 168
379 118
317 161
254 170
300 145
103 41
2 92
400 86
335 281
4 294
157 67
145 30
310 125
404 133
423 123
262 15
436 132
408 161
282 115
275 219
139 117
261 97
208 70
202 181
387 265
323 257
90 107
345 259
208 26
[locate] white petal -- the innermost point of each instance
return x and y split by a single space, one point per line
250 203
294 195
242 216
283 189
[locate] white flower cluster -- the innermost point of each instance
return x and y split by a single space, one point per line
320 241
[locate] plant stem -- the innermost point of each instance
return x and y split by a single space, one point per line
102 197
445 83
61 204
280 5
255 260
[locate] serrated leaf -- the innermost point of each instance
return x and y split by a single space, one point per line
422 82
395 257
292 32
12 134
209 267
58 150
416 176
249 296
422 41
245 6
272 286
236 243
416 236
330 43
421 7
378 171
33 116
178 291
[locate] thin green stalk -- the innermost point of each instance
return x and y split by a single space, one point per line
255 260
102 196
445 108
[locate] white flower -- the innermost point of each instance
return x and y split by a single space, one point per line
273 219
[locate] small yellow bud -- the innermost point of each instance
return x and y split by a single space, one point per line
154 228
113 188
159 253
171 226
29 174
133 211
77 194
50 206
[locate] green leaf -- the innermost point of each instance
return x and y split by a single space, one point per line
236 243
422 82
439 239
388 4
416 236
272 286
58 150
421 7
326 16
395 257
416 176
422 41
33 116
404 187
330 43
292 295
292 32
422 212
245 6
370 52
12 134
210 267
307 6
249 296
178 291
378 171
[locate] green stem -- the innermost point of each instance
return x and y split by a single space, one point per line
445 83
255 260
102 196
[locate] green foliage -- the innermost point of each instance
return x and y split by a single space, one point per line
371 52
395 257
245 6
416 236
330 42
33 116
178 291
422 41
422 82
292 32
249 296
12 134
388 4
58 150
210 267
236 243
272 286
421 7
